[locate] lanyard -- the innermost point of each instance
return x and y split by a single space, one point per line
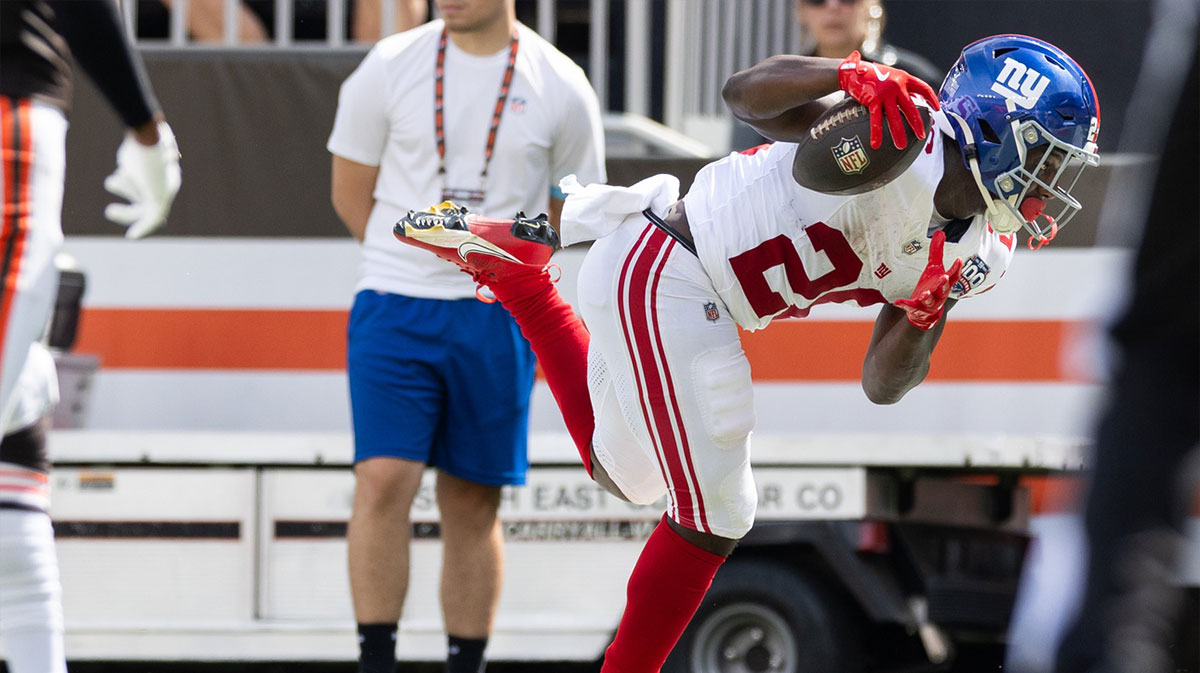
439 76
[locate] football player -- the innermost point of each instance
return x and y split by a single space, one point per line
657 396
39 40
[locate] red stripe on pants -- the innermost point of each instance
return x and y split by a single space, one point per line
684 456
656 401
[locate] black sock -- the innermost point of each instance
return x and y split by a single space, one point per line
465 655
377 648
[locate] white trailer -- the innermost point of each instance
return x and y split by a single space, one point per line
212 546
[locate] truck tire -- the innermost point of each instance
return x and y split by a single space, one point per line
764 617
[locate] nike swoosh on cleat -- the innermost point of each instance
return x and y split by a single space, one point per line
467 247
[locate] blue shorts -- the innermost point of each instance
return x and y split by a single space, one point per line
444 382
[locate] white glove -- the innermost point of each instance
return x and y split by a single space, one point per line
148 177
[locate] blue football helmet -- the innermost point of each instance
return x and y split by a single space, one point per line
1007 96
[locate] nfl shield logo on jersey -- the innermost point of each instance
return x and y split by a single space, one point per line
912 247
850 155
710 311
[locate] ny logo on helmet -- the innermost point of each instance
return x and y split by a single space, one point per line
1020 84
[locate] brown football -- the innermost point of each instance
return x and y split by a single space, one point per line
835 157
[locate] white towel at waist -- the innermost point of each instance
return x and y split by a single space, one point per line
596 210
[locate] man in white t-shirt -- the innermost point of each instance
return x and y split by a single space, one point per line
477 108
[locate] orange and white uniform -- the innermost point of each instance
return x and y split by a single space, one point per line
34 135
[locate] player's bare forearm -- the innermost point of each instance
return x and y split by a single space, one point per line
779 95
898 356
779 84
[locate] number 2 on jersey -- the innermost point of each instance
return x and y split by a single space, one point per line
751 266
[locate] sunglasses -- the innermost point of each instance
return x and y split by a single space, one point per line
818 3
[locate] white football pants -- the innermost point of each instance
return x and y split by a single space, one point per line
670 385
31 622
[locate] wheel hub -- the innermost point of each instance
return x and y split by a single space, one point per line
745 638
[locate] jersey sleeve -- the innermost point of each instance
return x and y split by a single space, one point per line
93 32
983 269
360 126
579 138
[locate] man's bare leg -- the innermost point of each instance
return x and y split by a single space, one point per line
472 566
378 537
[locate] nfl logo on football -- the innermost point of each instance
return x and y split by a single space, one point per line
850 155
710 311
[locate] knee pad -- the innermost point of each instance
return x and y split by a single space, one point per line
725 392
725 395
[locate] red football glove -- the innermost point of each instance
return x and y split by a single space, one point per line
885 91
925 306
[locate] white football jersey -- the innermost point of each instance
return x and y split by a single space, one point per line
775 248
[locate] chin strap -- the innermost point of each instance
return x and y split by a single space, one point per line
1043 240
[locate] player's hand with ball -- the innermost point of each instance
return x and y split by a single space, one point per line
885 92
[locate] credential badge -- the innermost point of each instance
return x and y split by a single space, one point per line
850 155
710 311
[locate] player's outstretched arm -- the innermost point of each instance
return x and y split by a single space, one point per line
907 331
898 356
781 96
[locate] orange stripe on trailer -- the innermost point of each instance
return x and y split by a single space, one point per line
311 340
1012 350
315 340
1060 493
1054 494
1048 493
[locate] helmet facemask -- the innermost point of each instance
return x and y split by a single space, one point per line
1021 196
1037 192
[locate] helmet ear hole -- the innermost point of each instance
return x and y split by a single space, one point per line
988 133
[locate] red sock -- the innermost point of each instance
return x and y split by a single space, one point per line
667 585
560 342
